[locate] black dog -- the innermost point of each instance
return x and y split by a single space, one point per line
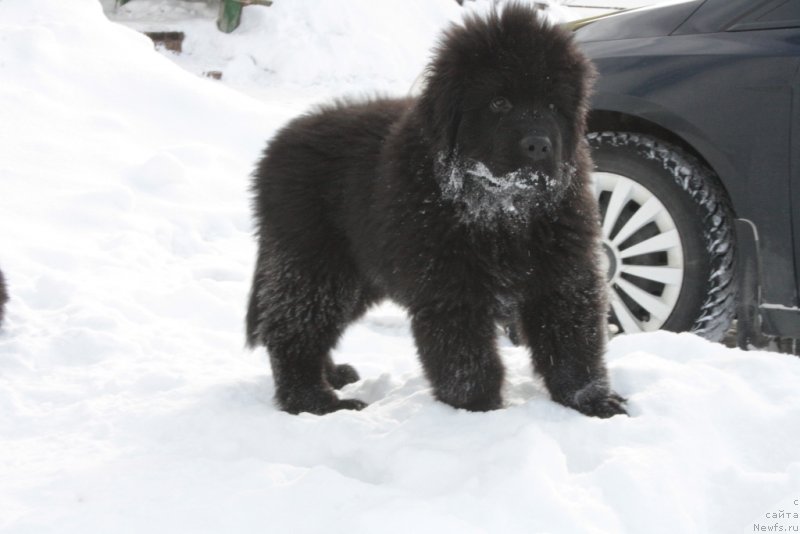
469 206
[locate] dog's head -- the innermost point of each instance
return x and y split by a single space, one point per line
505 105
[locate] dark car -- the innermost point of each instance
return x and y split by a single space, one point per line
696 135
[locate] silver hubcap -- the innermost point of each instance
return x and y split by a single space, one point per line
643 251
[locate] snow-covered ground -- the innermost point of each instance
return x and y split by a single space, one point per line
127 401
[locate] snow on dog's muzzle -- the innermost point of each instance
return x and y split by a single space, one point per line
512 196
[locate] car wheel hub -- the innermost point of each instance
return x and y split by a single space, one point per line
609 261
643 253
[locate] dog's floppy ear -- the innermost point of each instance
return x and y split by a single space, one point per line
441 99
461 49
587 74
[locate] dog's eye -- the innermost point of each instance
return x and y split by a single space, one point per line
500 104
554 109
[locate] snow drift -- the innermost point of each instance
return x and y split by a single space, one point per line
127 403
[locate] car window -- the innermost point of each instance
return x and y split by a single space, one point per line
772 15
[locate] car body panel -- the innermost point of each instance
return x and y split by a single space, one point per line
640 23
723 15
794 183
733 98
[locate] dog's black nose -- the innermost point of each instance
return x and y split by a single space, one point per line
537 147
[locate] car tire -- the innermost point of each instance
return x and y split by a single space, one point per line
668 236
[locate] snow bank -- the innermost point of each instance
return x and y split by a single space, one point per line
276 46
311 45
128 405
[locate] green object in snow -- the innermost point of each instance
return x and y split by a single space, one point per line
230 12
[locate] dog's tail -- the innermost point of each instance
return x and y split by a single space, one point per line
253 320
3 296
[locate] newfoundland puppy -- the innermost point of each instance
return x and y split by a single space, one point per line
470 206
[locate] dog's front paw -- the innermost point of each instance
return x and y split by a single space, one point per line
597 400
474 402
317 401
340 375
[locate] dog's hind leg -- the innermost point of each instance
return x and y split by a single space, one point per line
299 310
339 375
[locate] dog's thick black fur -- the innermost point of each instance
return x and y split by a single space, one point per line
3 297
469 206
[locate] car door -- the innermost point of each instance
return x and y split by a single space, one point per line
752 51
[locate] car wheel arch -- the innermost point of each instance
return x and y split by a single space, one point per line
601 120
